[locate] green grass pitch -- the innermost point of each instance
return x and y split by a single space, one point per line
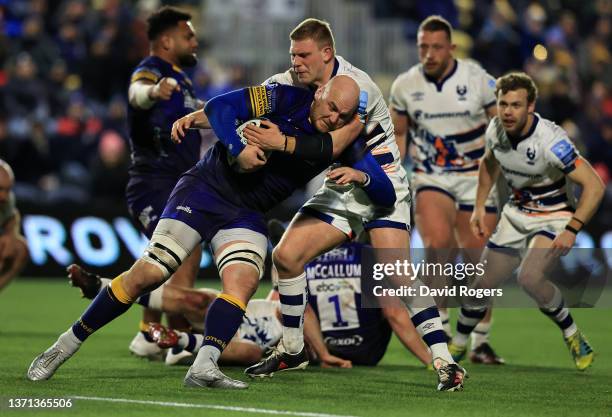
538 380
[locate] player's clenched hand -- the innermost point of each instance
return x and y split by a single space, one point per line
346 175
477 223
180 126
331 361
164 88
563 243
251 158
267 136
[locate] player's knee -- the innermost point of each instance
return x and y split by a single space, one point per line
287 261
527 282
241 258
165 253
438 241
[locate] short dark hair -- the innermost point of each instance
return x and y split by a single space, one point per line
436 23
515 81
315 29
165 18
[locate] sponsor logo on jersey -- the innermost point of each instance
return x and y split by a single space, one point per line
355 340
189 102
418 114
343 254
186 209
146 216
564 151
521 174
417 96
260 101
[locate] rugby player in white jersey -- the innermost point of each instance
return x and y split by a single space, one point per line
335 214
446 104
13 246
539 223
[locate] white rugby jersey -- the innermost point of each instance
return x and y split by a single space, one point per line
260 323
379 128
448 119
535 167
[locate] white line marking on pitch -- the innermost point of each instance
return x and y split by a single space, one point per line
209 406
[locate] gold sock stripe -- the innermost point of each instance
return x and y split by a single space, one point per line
118 290
144 327
233 300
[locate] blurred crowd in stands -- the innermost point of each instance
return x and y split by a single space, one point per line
65 67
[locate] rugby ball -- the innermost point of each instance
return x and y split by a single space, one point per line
239 131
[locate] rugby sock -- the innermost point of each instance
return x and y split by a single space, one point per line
223 319
555 309
480 335
445 321
467 320
69 341
428 324
292 294
108 305
190 342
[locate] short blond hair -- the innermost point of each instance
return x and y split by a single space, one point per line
315 29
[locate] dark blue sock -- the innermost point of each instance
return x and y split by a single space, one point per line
222 321
102 310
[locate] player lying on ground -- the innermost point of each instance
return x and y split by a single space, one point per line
257 333
222 200
539 223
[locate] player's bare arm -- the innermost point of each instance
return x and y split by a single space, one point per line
196 119
488 172
402 326
270 138
592 193
143 94
314 338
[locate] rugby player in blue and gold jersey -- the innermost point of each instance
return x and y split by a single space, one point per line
221 201
159 93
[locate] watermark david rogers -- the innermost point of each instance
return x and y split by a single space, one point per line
446 291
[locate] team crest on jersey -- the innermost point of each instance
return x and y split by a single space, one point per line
461 92
531 154
417 96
